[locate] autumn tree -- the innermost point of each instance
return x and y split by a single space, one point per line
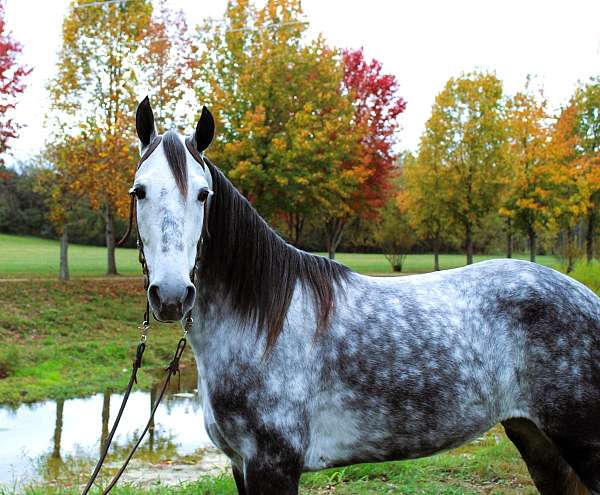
377 105
466 134
12 77
93 99
586 102
285 129
394 233
166 55
528 198
569 178
422 198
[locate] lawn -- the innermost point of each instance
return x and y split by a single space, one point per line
488 465
26 257
59 340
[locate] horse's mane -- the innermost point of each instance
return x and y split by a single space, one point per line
255 268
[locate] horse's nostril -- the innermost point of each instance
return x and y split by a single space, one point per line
153 296
190 295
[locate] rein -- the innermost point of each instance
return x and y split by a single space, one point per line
173 367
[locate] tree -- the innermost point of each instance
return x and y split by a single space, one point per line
569 174
394 234
377 106
528 200
93 99
166 55
422 198
55 185
466 134
285 129
12 83
587 103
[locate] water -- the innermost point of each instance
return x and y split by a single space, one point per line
43 441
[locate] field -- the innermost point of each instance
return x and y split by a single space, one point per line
27 257
59 340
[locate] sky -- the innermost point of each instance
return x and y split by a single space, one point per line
422 42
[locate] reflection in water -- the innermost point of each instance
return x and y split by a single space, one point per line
49 440
105 418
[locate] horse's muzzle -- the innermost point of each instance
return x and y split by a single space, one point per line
171 303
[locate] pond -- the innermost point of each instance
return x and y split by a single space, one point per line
59 441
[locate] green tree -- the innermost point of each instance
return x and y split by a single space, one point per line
466 135
422 198
394 234
93 99
285 129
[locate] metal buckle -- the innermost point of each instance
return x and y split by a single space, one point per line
144 327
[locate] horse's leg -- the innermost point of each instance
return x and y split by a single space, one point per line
549 471
238 476
272 475
584 456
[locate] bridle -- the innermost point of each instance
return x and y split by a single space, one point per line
173 367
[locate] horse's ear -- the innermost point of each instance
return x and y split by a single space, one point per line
144 123
205 130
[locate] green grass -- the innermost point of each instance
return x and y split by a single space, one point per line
31 257
488 465
377 264
24 257
59 340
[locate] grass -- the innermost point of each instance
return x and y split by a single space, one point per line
488 465
31 257
25 257
59 340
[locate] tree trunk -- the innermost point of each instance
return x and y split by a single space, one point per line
469 243
509 238
110 241
532 235
333 235
436 255
589 238
570 250
63 272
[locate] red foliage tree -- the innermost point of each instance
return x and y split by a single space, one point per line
11 82
377 106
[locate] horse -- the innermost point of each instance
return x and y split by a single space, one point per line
304 364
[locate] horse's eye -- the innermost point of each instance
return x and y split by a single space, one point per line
203 194
139 191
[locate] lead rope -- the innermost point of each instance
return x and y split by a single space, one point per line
171 370
173 367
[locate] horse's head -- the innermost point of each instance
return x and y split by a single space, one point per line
172 188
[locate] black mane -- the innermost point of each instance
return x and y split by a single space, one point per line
255 268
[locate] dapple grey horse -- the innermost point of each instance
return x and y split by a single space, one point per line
305 365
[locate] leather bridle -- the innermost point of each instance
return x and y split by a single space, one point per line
173 367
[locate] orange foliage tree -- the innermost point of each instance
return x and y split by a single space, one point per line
587 103
93 101
165 65
528 198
